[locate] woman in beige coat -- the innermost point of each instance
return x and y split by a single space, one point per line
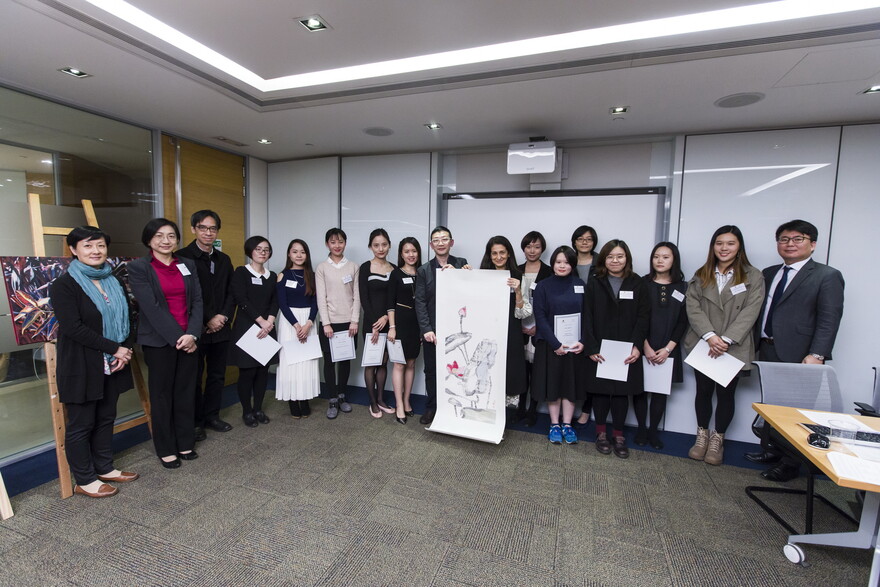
723 302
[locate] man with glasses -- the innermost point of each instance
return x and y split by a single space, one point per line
214 271
799 319
426 309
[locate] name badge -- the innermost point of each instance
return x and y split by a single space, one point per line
738 288
407 280
182 268
678 295
256 281
347 279
626 295
533 286
578 289
290 283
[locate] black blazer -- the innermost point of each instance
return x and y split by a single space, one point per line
216 297
156 326
81 345
543 273
608 316
426 292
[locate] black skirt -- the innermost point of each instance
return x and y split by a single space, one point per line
558 377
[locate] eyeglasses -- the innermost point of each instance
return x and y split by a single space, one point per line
203 228
615 258
798 240
440 240
262 249
584 240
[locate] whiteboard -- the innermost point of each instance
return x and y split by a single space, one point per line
634 218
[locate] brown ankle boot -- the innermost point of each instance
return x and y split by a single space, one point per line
715 452
698 450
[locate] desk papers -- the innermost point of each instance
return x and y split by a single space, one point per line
855 468
261 349
341 347
373 353
658 378
721 370
615 352
825 419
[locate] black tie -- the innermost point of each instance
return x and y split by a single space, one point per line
777 295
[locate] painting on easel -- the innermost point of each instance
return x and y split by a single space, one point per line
27 289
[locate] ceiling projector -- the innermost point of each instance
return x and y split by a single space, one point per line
536 157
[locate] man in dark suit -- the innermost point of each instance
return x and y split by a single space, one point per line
426 309
214 270
799 320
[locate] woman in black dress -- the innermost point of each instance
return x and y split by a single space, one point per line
94 349
403 324
499 256
559 369
253 292
373 279
533 270
666 290
616 308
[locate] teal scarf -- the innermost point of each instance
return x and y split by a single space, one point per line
114 309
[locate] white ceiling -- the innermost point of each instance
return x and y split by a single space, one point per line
811 70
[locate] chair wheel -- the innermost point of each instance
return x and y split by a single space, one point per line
794 553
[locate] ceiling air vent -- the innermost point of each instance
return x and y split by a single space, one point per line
232 142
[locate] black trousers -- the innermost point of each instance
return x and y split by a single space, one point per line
88 441
212 359
172 379
430 354
335 374
726 403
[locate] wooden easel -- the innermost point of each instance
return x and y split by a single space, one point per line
58 417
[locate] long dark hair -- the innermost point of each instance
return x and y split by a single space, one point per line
599 263
706 273
307 266
486 263
408 240
675 273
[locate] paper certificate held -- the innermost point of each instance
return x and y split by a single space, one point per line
395 352
658 378
341 347
298 352
721 370
373 353
567 329
261 349
615 352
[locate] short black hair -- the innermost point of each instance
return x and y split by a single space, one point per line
251 244
197 217
335 232
569 253
86 233
441 228
582 230
801 226
153 226
531 237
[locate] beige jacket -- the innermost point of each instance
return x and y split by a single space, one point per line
726 314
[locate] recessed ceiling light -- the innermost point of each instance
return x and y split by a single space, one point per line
264 141
75 72
433 126
378 131
739 100
46 161
618 110
314 23
872 90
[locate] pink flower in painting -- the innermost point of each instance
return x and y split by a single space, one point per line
453 369
462 312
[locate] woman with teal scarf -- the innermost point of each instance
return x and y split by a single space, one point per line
94 349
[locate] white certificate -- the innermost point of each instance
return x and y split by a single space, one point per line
721 370
298 352
373 353
567 329
615 352
395 352
261 349
341 346
658 378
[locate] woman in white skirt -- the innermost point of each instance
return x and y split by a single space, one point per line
299 382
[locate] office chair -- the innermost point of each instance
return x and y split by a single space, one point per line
795 385
872 410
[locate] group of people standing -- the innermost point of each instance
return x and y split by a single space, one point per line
192 306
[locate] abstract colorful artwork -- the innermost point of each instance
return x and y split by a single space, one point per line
27 289
472 308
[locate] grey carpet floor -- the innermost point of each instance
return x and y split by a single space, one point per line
360 501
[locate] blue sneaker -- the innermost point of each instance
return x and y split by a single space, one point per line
555 435
569 435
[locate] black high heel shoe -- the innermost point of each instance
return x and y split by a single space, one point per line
409 413
401 420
